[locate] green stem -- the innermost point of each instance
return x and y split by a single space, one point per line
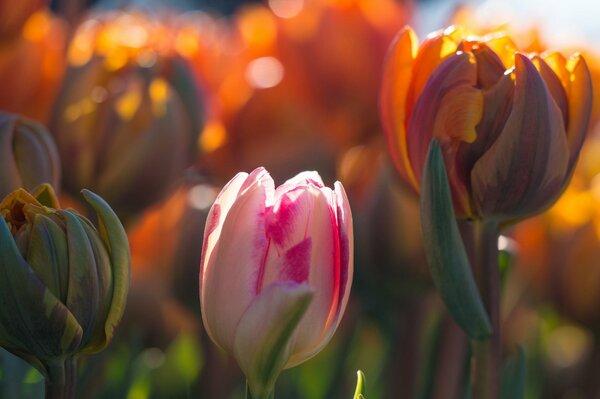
61 379
488 353
270 395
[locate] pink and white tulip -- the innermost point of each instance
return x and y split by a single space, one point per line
276 267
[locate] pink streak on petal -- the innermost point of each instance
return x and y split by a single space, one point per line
296 262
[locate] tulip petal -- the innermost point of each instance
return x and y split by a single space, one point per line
47 255
580 106
36 155
342 282
114 237
346 240
527 164
218 213
82 292
497 105
233 272
135 171
263 337
504 48
554 85
302 178
577 83
392 101
302 227
449 108
434 49
46 196
97 339
10 178
32 319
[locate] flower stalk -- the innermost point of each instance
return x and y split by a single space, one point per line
487 353
62 379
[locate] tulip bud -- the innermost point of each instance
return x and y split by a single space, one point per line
63 281
127 117
510 125
276 271
28 155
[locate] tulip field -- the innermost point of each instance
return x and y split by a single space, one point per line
299 199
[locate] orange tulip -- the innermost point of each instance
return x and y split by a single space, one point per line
32 66
511 125
128 112
13 15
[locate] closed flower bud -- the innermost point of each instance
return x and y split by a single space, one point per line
28 155
276 271
63 281
128 115
511 125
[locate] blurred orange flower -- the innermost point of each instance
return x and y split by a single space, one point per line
13 15
32 65
299 76
128 112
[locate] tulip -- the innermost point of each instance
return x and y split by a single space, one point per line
276 271
28 155
14 14
63 282
127 117
32 65
511 125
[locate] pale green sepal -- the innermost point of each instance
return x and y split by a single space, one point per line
445 251
360 382
33 322
114 237
263 336
514 375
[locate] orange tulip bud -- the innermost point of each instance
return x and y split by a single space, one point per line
128 114
510 125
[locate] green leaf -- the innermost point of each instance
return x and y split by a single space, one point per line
445 250
514 374
262 338
360 380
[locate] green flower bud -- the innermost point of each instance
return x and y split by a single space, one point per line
28 155
63 281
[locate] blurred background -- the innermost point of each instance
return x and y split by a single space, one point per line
155 105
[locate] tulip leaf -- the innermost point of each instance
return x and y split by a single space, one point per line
514 374
114 237
445 250
262 338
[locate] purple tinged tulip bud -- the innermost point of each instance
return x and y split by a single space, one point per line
28 155
510 125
